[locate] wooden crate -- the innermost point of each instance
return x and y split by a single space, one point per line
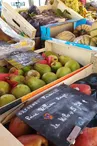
15 20
92 68
7 139
52 30
49 32
81 55
19 23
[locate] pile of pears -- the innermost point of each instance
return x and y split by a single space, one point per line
31 78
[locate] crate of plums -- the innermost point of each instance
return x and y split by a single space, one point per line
81 33
47 67
28 22
84 79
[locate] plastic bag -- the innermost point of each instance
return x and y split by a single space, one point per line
9 31
22 43
25 45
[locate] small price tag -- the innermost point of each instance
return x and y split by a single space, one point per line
21 59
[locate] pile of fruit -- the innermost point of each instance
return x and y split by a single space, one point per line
76 5
88 137
37 18
28 136
82 7
83 34
16 83
25 134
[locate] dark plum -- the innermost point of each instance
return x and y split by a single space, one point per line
49 12
92 80
34 9
34 23
24 14
81 82
93 122
94 94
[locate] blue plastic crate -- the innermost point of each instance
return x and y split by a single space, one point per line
46 34
46 30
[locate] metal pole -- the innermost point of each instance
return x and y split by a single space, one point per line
39 3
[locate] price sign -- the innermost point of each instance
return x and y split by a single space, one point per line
20 59
60 114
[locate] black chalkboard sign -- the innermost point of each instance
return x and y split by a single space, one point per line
60 114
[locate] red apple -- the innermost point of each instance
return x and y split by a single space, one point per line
18 127
87 138
33 140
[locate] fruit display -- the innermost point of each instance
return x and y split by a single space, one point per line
20 82
77 5
83 34
30 137
88 137
87 9
37 18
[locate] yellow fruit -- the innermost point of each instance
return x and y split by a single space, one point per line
82 30
93 31
66 36
86 40
5 99
4 88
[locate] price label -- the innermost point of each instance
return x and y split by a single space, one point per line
60 114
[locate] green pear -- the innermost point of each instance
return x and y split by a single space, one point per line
26 68
33 73
6 99
14 70
4 87
63 71
48 53
18 78
64 59
20 90
42 68
35 83
49 77
73 65
55 66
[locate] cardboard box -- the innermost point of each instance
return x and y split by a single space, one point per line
49 32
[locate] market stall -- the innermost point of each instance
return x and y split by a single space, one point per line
48 73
